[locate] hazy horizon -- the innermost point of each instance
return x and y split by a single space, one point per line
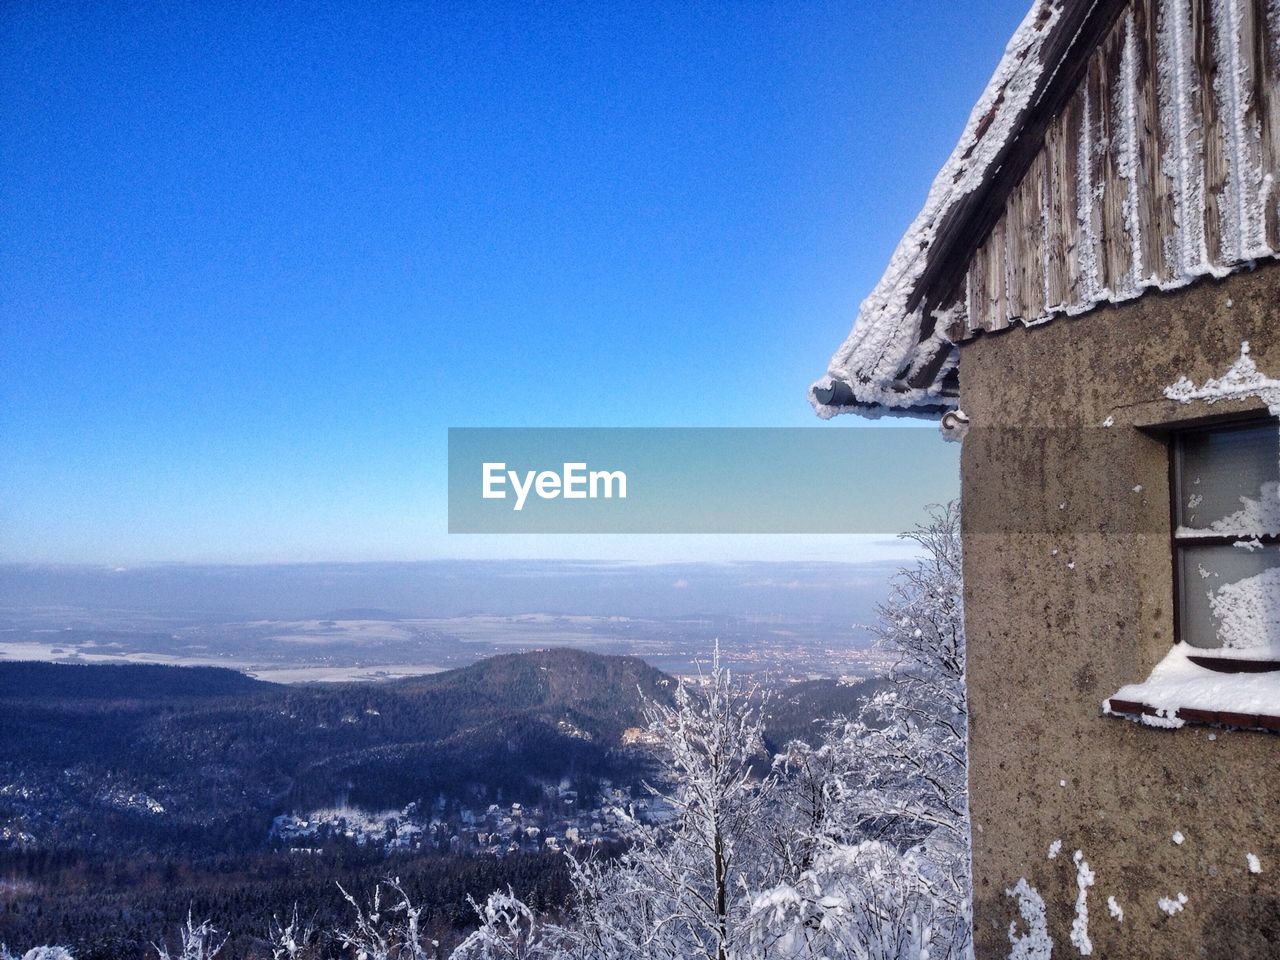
345 620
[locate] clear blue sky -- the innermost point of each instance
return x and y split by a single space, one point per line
256 258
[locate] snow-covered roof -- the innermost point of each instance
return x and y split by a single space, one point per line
878 368
1121 147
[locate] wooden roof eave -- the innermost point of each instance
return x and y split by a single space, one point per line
969 219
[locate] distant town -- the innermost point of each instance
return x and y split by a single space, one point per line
557 823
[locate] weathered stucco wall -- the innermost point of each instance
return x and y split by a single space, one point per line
1069 593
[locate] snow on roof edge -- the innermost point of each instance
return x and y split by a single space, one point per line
885 335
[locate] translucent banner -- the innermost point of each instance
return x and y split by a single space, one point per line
693 480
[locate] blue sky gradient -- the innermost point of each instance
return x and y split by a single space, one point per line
258 258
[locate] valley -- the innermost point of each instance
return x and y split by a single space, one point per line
165 784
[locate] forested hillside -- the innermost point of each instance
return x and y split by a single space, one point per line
202 758
130 793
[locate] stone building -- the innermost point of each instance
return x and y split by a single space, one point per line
1091 298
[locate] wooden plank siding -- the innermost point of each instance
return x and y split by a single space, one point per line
1155 216
1266 94
1030 231
1057 247
1114 244
1091 187
1212 135
1163 164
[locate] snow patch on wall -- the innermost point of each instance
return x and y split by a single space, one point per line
1080 924
1035 944
1241 381
1116 911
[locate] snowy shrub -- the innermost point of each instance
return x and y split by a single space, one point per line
385 930
196 941
295 941
508 931
897 774
683 890
47 952
868 902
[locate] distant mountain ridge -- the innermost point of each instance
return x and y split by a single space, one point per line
119 681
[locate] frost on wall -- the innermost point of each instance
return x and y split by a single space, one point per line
1183 159
1080 923
1243 214
1035 943
1242 380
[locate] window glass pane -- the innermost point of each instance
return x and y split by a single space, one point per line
1230 597
1228 480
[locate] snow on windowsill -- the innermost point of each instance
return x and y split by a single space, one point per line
1179 692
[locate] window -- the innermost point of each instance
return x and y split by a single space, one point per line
1226 488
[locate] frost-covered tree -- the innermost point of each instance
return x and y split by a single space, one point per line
196 941
509 931
868 901
389 927
806 815
683 890
912 737
296 940
907 751
386 929
872 825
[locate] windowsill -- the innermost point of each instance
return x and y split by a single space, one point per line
1180 692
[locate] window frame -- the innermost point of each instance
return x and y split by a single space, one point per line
1176 437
